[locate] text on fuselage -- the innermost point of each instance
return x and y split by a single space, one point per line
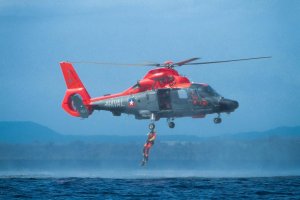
116 103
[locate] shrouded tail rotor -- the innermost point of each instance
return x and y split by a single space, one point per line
77 100
78 106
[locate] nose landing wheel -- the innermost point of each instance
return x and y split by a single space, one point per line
218 119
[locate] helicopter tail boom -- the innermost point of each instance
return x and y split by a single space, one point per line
77 100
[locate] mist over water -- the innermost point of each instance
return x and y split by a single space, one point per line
147 174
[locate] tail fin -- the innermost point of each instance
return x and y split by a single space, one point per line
77 100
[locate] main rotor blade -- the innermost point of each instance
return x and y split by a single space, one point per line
115 64
185 61
223 61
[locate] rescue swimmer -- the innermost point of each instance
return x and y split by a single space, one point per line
149 143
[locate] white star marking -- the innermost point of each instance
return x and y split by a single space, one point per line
131 102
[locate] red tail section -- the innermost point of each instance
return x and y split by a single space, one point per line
77 100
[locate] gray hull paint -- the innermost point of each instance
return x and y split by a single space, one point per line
142 105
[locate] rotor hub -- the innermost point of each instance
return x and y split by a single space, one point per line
169 64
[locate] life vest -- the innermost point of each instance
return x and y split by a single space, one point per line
151 137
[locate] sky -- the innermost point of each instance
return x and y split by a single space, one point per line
36 35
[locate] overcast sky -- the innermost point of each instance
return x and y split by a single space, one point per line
36 35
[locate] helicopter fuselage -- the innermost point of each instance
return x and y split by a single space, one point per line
162 93
195 101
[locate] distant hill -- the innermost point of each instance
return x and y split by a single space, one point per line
26 132
30 132
280 132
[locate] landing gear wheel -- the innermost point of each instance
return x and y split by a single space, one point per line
171 124
151 126
217 120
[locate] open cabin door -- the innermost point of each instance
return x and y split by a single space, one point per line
164 99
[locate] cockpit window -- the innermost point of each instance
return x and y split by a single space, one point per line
211 91
204 89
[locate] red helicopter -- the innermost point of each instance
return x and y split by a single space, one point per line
161 93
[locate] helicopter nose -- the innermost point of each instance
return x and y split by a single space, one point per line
227 105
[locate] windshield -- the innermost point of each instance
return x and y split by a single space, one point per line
204 90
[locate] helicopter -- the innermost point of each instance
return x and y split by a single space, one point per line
161 93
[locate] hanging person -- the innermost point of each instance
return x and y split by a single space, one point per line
149 143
